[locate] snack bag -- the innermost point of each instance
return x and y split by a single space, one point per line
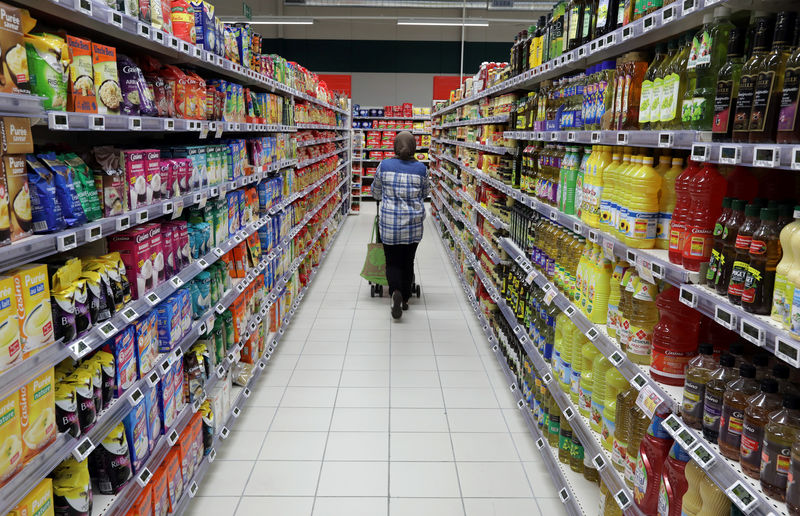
48 64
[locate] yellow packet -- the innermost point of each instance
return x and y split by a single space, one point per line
10 438
32 288
39 502
10 342
38 414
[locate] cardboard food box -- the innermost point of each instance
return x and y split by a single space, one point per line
14 60
38 502
20 210
32 289
106 79
172 470
81 96
160 492
37 414
16 135
10 437
10 341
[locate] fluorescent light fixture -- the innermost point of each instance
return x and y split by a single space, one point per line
272 21
443 22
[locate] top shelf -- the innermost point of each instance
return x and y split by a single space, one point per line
417 117
130 31
664 23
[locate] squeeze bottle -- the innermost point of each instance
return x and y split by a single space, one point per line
706 191
691 502
652 454
674 338
673 482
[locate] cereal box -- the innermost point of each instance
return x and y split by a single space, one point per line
136 434
10 437
153 417
143 506
160 492
32 289
146 328
37 414
166 401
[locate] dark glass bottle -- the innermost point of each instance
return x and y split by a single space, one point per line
575 10
788 126
741 259
729 232
728 87
606 17
747 82
765 253
589 21
769 81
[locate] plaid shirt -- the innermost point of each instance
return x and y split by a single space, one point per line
401 186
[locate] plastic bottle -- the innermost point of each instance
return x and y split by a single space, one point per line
691 502
728 250
727 89
639 425
648 95
675 338
666 203
706 191
622 429
673 482
715 501
615 383
565 442
600 290
576 454
677 226
756 417
577 368
761 361
765 252
599 369
698 373
734 403
793 288
742 249
781 304
614 296
589 354
553 421
793 487
714 393
780 432
643 205
643 318
716 251
653 452
609 182
625 307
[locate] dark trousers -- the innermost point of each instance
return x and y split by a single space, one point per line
400 267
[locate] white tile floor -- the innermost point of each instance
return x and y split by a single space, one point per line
360 415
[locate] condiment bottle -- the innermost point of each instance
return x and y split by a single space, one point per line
756 416
793 488
780 432
714 394
673 482
727 89
765 252
747 82
781 299
698 373
729 231
733 406
716 251
742 257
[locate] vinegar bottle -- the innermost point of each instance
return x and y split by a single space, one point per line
728 250
698 373
691 502
756 417
741 258
716 251
715 391
727 89
747 82
781 306
652 454
781 431
765 252
733 406
673 482
793 487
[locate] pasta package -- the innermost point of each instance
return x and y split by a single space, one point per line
81 97
106 79
14 60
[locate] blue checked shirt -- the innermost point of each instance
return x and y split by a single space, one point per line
401 186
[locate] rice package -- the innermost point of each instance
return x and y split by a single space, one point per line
48 65
137 99
146 328
136 434
71 207
72 488
110 464
123 347
106 79
81 76
45 206
183 20
154 427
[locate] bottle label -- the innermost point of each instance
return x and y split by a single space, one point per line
705 45
585 400
668 363
694 51
575 383
645 101
663 500
699 105
730 426
750 449
693 395
758 247
587 23
761 100
775 463
640 341
675 237
607 431
711 272
640 225
686 110
565 442
786 117
655 100
630 469
602 13
752 281
743 242
699 243
576 450
744 101
640 480
662 228
554 423
738 275
597 413
619 452
722 107
669 105
573 23
779 298
712 409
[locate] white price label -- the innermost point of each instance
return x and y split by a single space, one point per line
67 241
742 496
107 330
83 449
123 222
135 123
152 379
700 152
724 317
765 156
751 332
135 397
622 499
702 455
176 281
93 232
599 462
688 297
730 154
144 477
130 314
788 351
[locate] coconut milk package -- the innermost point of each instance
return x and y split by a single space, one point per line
134 163
110 180
146 328
153 175
140 250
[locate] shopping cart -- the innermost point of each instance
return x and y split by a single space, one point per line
374 270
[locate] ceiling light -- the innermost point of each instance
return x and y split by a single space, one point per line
272 21
443 22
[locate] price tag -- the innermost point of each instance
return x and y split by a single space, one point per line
700 152
123 222
638 382
648 400
520 404
204 127
622 499
107 330
176 281
592 334
688 297
165 365
685 439
172 437
702 456
135 397
724 317
730 154
742 496
220 371
177 208
67 241
135 123
130 314
648 23
672 425
564 495
667 14
688 6
97 122
569 413
570 311
262 365
608 249
627 32
193 488
196 405
764 156
83 449
616 358
115 18
235 412
751 332
599 462
622 138
546 379
212 455
665 139
152 298
57 121
246 392
142 216
217 251
788 351
152 379
795 158
143 477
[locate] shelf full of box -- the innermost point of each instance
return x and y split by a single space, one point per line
497 119
242 396
379 160
317 159
322 127
65 446
309 143
493 254
650 262
70 121
565 480
386 149
662 24
416 117
117 26
394 129
494 149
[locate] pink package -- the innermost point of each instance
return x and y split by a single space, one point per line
169 250
134 164
152 173
180 243
134 248
184 173
167 178
157 253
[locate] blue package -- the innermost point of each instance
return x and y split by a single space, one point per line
46 209
170 329
123 347
166 401
209 28
199 31
147 348
63 178
136 432
154 425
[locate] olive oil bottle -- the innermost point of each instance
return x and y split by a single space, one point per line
747 82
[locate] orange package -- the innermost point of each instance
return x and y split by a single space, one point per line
176 85
187 461
197 87
239 263
159 491
195 427
172 470
228 259
143 506
238 309
274 317
249 351
81 98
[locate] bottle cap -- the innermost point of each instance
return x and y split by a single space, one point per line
736 348
738 205
747 370
769 385
727 360
726 202
708 18
752 210
721 12
706 348
769 214
791 402
761 360
780 371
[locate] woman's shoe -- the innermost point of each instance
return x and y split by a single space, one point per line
405 305
397 301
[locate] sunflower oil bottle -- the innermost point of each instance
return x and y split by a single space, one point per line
608 506
577 367
643 318
599 369
615 383
577 454
692 501
626 287
638 427
614 295
643 186
622 430
565 373
600 289
593 184
553 421
590 272
666 203
564 442
581 276
589 355
715 501
558 344
606 193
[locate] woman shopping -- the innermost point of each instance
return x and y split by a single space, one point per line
400 185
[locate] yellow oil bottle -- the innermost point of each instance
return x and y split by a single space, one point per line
622 430
589 354
599 369
643 318
615 383
638 424
614 295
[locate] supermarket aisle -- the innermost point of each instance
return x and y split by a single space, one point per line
361 415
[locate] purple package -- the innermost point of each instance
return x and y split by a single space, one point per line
152 173
184 173
135 164
137 99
